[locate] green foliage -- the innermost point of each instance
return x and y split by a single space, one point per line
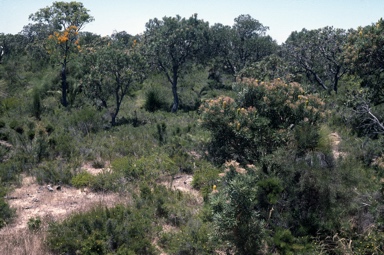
259 121
191 239
235 215
110 74
53 172
118 230
161 133
204 177
153 101
6 213
307 137
269 191
107 181
286 243
318 54
361 53
172 43
82 179
144 168
10 170
36 105
86 120
34 224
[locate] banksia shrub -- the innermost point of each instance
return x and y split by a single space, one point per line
259 120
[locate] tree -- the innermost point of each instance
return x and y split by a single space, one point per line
242 44
36 38
365 53
66 19
172 43
111 71
318 55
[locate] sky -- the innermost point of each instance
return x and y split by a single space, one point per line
281 16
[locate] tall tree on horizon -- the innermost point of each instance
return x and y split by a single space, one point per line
172 43
66 20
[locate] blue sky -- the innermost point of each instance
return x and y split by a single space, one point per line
281 16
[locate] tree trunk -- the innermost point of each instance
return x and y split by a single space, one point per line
64 84
175 105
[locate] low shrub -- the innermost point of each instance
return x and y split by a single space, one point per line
6 212
34 224
119 230
154 101
82 179
53 172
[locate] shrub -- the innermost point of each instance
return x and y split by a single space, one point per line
6 213
259 120
34 223
120 230
153 101
144 168
53 172
235 216
307 137
87 120
204 177
82 179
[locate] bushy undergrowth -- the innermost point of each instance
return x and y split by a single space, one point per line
130 229
6 213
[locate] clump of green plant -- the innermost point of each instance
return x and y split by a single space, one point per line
204 177
6 212
192 238
53 172
154 101
259 120
82 179
307 137
34 224
118 230
147 167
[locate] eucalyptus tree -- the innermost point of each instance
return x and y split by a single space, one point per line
110 72
318 54
172 43
365 54
242 44
66 20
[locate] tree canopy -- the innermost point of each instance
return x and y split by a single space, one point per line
171 43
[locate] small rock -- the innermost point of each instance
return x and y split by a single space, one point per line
49 188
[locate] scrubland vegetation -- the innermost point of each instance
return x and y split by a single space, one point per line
284 142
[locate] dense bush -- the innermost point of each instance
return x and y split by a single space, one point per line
118 230
259 120
6 213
